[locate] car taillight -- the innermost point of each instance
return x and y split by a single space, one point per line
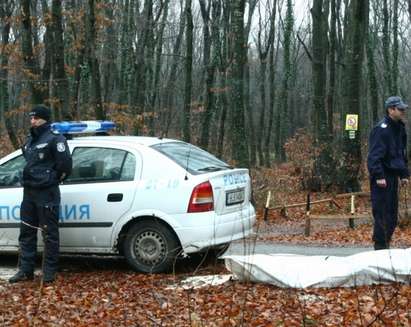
201 198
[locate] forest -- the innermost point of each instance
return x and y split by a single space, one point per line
247 80
262 84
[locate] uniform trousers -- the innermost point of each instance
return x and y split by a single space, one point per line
384 209
39 211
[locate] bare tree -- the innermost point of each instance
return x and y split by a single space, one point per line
59 81
238 141
210 39
93 62
188 72
31 64
273 56
351 154
264 44
283 125
6 10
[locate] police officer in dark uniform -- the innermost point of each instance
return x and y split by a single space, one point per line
48 162
387 165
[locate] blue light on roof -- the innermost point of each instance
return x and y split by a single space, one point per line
87 126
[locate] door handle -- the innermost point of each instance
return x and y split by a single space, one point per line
115 197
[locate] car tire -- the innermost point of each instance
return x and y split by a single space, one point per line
150 247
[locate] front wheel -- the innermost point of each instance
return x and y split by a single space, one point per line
150 247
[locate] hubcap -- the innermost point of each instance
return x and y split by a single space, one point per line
150 247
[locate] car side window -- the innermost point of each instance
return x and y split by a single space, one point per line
101 165
11 172
129 168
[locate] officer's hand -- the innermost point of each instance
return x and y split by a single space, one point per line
404 181
381 182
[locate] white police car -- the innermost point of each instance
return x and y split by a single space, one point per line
147 198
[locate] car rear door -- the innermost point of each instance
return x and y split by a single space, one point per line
99 191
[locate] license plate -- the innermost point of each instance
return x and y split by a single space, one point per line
234 197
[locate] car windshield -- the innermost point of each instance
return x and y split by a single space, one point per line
193 159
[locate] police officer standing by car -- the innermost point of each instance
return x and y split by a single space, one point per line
387 164
48 162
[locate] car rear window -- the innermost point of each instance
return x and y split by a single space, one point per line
193 159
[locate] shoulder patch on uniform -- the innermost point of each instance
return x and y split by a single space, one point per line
61 147
383 125
41 146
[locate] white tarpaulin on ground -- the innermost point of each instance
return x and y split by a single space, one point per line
300 271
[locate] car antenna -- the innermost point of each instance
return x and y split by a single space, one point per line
188 159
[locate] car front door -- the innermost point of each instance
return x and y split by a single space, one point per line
99 191
11 195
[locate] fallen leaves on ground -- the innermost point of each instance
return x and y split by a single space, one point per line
131 299
338 235
119 297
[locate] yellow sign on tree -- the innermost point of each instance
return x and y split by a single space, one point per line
351 122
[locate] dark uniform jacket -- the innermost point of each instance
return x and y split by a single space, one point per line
47 158
387 152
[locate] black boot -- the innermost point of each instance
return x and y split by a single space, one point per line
21 276
49 278
380 246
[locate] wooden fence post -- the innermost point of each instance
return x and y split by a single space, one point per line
307 216
352 211
267 205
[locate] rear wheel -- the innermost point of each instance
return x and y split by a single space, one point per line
150 247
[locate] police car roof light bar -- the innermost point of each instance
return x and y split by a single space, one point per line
86 126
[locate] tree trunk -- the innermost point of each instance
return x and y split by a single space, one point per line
188 73
260 132
323 165
93 61
109 69
250 126
372 77
223 72
169 96
209 60
60 81
223 117
79 39
126 53
149 63
5 15
157 68
395 49
239 144
272 96
386 49
332 68
284 127
264 43
48 45
351 153
140 75
37 95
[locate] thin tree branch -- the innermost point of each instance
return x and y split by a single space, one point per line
305 47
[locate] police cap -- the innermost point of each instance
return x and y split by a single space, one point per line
41 111
395 101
